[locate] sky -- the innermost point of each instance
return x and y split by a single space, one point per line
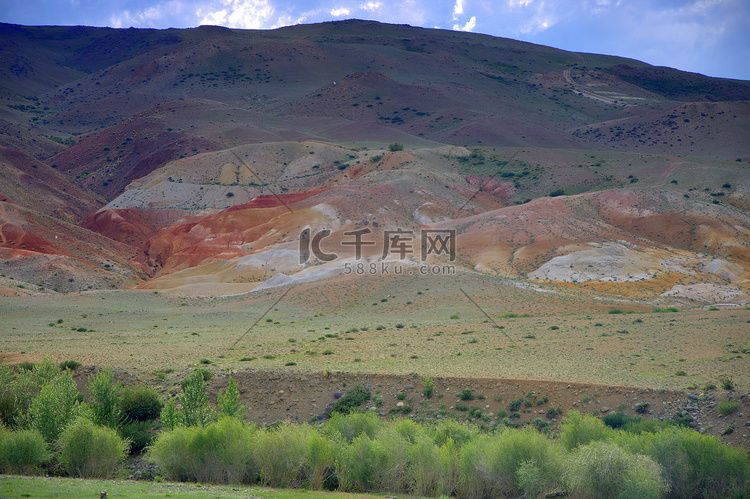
711 37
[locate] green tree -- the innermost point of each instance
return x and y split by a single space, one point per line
55 406
193 407
104 399
228 401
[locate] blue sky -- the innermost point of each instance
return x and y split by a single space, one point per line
704 36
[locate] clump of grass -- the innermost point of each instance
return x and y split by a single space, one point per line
428 387
515 405
70 364
726 382
352 401
466 394
727 407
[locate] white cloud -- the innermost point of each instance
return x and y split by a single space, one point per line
247 14
519 3
371 6
341 11
469 26
150 17
458 9
536 15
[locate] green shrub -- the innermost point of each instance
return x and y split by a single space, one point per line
219 453
428 387
22 452
374 465
726 382
577 430
429 468
350 426
449 430
140 403
8 410
70 364
282 456
140 434
515 405
616 420
491 465
90 451
352 401
104 400
320 461
604 470
642 408
466 394
395 146
727 407
359 464
697 465
55 406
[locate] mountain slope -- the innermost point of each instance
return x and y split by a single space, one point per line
203 155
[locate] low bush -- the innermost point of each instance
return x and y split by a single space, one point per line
22 452
219 453
577 430
291 456
90 451
696 465
603 470
466 394
70 364
727 407
348 427
726 382
140 403
491 465
428 387
617 420
140 434
449 430
352 401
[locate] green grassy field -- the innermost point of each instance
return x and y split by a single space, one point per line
415 327
24 486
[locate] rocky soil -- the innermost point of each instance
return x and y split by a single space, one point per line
280 395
